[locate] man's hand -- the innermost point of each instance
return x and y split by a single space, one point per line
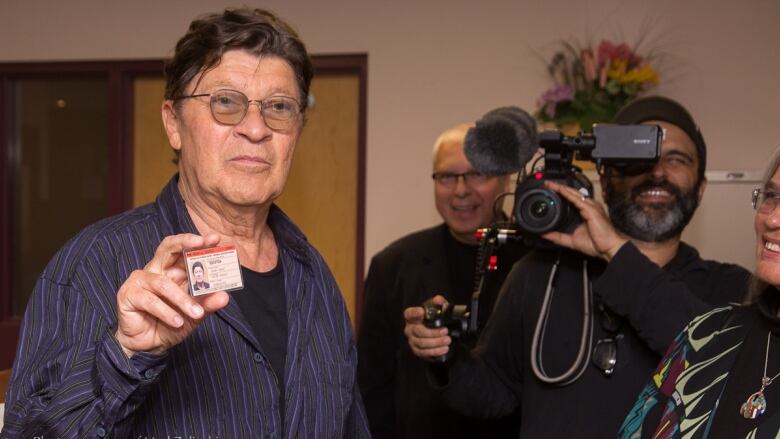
426 343
154 308
596 236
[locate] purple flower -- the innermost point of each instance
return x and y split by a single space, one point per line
552 97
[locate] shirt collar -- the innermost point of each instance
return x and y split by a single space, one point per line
287 235
686 259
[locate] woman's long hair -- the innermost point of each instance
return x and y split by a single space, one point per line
757 286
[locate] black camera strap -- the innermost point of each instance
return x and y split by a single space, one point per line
537 344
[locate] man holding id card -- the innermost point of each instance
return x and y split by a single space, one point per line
207 313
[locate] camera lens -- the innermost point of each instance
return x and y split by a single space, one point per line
538 210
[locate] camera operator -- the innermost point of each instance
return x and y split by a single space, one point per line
646 285
441 259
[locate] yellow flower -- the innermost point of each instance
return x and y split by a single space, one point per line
642 75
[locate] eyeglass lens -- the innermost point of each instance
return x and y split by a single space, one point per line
605 355
765 201
451 179
229 107
605 352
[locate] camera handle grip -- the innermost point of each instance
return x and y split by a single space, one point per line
438 315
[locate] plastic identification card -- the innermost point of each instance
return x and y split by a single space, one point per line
213 269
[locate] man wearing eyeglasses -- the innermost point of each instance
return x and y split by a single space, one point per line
575 377
439 260
112 343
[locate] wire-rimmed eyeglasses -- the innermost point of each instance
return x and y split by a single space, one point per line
765 201
604 354
229 107
449 179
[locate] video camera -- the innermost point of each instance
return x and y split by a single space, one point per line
503 141
629 149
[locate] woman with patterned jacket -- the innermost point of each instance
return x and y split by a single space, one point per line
716 379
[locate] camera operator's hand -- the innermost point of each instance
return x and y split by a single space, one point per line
426 343
596 236
154 308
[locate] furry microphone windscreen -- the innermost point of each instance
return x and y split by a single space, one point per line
502 141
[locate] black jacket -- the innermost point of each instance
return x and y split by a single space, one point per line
398 400
654 304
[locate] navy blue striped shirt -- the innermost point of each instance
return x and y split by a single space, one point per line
72 379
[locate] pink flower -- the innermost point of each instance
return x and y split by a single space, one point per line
608 51
603 75
588 64
604 53
549 100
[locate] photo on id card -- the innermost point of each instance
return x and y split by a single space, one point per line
213 269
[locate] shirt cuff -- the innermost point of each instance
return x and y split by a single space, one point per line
123 376
628 271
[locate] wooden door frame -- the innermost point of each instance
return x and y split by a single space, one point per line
357 64
120 75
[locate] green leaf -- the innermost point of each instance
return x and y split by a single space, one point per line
631 89
613 87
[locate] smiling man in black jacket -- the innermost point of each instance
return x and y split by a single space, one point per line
439 260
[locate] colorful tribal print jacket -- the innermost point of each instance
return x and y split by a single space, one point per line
681 399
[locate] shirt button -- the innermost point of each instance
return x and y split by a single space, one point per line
149 374
258 357
100 431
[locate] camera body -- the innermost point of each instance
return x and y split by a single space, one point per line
539 210
630 149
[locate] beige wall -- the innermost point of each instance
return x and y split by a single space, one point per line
436 63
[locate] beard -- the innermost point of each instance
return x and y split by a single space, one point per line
653 222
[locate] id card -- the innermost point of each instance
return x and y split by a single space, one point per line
213 269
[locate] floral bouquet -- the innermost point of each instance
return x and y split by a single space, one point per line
590 88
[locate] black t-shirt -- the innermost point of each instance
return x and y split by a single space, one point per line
461 262
462 266
264 305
